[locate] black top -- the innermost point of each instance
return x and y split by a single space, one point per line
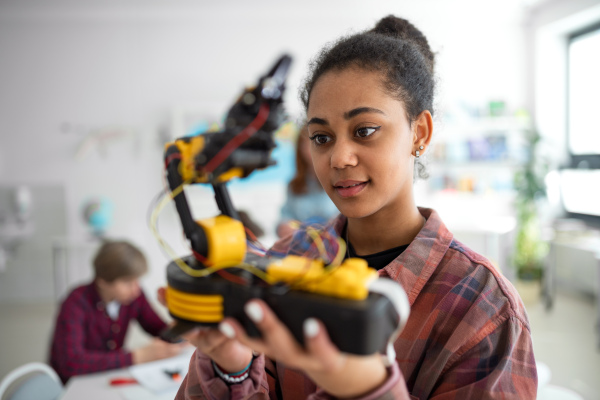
378 260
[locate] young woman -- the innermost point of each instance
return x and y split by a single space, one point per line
369 102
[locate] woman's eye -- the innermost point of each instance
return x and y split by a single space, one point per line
320 139
366 131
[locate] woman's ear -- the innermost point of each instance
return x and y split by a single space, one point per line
422 131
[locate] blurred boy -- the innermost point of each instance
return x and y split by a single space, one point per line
93 320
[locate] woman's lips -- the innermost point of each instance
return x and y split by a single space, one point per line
349 188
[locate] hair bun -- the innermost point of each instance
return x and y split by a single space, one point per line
400 28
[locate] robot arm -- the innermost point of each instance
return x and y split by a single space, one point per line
221 276
242 147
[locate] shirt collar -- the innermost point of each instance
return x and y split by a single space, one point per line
95 298
413 268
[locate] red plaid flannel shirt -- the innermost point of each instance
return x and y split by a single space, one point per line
87 340
467 337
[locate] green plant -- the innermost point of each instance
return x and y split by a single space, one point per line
530 249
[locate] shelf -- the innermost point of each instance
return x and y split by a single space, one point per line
486 125
476 164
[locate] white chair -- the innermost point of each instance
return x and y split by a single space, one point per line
31 381
546 391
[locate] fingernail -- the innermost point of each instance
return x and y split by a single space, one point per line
311 328
227 330
254 311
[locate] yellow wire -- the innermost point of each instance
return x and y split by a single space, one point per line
154 225
314 234
178 261
256 271
339 257
248 267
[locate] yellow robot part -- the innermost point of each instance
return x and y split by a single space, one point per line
194 307
226 239
348 281
230 174
188 148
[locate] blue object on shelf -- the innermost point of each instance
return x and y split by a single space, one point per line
98 214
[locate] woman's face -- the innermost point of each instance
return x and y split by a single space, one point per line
362 143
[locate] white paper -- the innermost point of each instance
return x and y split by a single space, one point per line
156 375
137 392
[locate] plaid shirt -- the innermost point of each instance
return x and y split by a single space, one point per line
87 340
467 336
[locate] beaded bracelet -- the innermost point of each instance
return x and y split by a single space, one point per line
235 377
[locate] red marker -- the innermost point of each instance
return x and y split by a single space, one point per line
122 381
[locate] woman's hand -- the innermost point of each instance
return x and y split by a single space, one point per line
339 374
229 354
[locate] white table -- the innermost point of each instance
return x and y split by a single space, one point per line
575 262
97 386
579 256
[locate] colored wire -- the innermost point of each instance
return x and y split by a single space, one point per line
167 197
171 157
222 273
253 243
316 237
255 250
231 277
339 257
154 225
251 235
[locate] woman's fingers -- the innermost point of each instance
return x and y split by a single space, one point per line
325 356
206 339
277 342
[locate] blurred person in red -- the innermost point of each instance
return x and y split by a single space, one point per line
93 320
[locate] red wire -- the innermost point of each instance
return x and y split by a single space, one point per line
231 277
200 258
171 158
255 125
223 273
251 234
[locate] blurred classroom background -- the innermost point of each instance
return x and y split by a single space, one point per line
90 91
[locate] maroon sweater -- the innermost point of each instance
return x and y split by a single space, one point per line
87 340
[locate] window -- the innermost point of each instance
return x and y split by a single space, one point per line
583 107
579 182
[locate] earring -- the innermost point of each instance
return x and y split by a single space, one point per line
417 154
421 147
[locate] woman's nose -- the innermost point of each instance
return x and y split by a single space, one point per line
343 154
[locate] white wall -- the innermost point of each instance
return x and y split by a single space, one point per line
72 69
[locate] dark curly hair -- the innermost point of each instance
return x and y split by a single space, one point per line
396 49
